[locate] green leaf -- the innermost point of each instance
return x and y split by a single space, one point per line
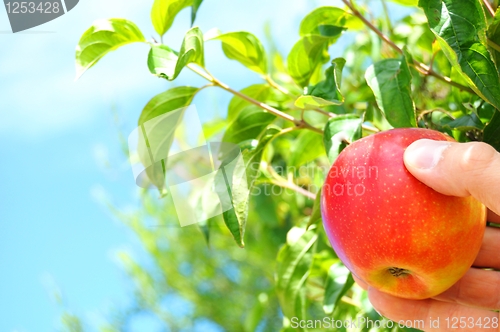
339 132
406 2
259 92
214 127
194 10
326 92
377 118
493 41
312 102
249 123
257 312
167 101
492 131
164 12
338 282
164 62
390 81
459 27
102 37
230 179
245 48
305 57
204 227
306 147
466 122
162 103
253 156
293 263
316 211
321 21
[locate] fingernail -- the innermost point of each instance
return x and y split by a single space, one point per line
425 153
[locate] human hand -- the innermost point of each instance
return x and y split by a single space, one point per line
456 169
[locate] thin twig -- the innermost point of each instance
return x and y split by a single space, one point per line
493 45
487 4
282 182
300 123
424 69
278 87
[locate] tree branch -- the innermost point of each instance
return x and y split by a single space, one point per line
299 123
488 6
281 182
424 69
493 45
278 87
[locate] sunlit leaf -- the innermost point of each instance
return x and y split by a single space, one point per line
245 48
390 81
324 20
307 147
459 27
339 132
259 92
102 37
326 92
316 212
194 10
257 312
377 118
493 41
245 168
339 281
164 62
164 12
213 127
406 2
492 131
167 101
162 103
305 57
249 124
293 263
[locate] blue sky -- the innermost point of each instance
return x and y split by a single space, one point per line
60 152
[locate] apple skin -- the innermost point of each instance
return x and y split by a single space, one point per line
391 230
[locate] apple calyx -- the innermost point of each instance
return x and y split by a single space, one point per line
398 272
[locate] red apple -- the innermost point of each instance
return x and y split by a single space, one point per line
391 230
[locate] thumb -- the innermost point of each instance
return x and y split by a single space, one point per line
457 169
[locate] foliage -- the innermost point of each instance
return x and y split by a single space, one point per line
436 68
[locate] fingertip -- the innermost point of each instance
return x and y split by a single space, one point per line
457 169
425 153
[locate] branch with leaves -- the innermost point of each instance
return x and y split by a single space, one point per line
422 68
307 109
